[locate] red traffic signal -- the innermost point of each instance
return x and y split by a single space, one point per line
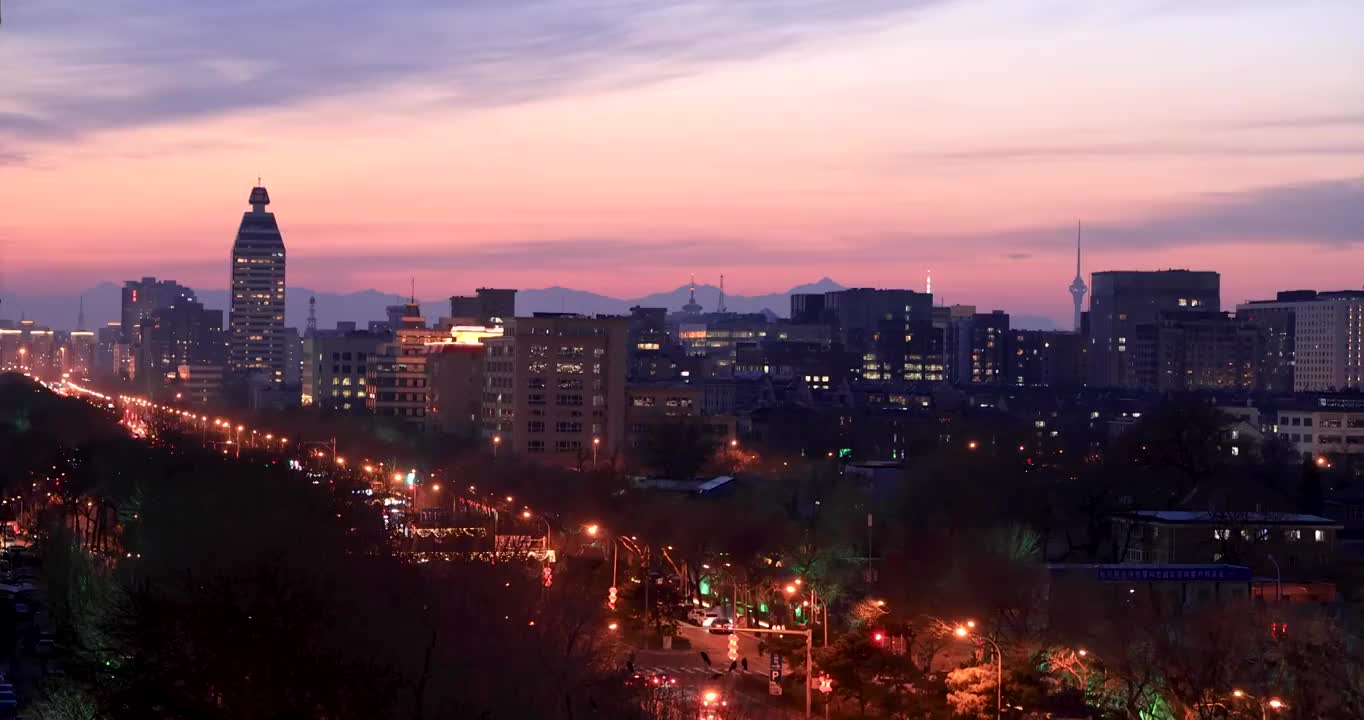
611 598
548 574
878 637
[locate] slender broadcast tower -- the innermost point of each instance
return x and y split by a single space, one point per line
1077 286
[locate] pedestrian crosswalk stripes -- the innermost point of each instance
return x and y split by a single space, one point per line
693 669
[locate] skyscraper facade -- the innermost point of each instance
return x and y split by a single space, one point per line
1123 300
554 387
256 316
143 297
487 307
1326 351
892 330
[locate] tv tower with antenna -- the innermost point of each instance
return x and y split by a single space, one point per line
1077 286
720 306
692 307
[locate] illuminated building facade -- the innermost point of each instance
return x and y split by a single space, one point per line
454 373
396 373
554 384
1120 301
336 367
256 316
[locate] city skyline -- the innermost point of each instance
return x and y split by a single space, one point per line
689 132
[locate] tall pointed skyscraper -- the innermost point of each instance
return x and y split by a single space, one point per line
1077 286
256 317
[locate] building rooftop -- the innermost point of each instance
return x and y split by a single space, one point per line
1205 517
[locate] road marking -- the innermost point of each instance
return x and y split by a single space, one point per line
670 670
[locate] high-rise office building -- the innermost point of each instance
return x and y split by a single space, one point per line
143 297
454 371
185 333
892 331
336 367
107 343
1046 358
1123 300
487 307
1327 329
79 359
1197 351
396 378
1277 321
256 316
554 387
976 348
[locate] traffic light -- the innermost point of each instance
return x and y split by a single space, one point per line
826 684
611 598
549 575
878 637
733 646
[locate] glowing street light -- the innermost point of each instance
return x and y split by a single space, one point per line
962 632
593 530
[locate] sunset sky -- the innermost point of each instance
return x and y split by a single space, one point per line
619 145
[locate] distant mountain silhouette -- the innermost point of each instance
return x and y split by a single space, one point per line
102 303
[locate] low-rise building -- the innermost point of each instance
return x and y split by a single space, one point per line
1288 545
1319 433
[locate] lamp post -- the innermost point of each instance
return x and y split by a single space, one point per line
526 514
814 607
596 443
497 440
962 632
1266 705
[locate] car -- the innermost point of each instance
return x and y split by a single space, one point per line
651 680
721 626
710 617
713 705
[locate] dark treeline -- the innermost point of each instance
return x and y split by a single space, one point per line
240 590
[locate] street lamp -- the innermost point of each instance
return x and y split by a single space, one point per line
596 443
497 440
962 632
1266 705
